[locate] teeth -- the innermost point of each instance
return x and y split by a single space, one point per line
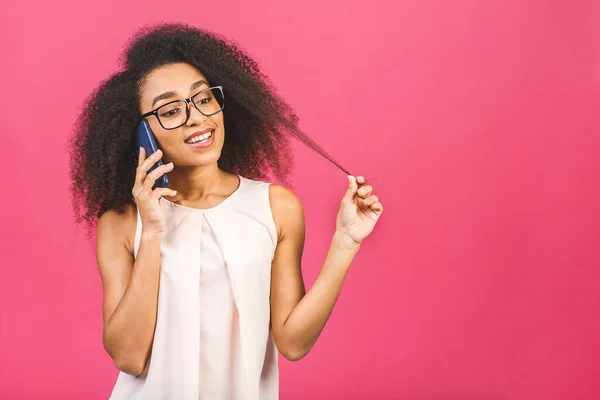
200 138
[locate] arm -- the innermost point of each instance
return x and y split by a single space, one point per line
130 301
297 318
130 293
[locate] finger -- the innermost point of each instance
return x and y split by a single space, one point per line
150 161
365 191
138 179
162 192
377 207
157 173
369 201
152 177
142 169
360 179
352 187
141 155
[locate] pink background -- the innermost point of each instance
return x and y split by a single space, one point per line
479 122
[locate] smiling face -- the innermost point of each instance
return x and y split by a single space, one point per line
200 140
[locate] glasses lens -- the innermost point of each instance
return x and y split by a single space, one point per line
209 101
172 115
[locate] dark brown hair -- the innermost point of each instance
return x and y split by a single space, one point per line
104 148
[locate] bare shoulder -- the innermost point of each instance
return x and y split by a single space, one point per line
286 207
283 200
117 227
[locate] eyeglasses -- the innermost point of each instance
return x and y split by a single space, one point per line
176 113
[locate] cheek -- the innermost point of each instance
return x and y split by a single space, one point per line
162 136
156 128
221 126
169 142
219 120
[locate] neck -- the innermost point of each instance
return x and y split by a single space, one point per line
198 182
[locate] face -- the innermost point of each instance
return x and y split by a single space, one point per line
175 82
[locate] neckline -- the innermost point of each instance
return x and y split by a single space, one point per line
195 209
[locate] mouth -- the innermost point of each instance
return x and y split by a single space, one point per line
201 140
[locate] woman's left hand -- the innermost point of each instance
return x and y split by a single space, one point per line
359 211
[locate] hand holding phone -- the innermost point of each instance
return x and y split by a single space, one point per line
147 200
146 140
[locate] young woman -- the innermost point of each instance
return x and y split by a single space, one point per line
202 280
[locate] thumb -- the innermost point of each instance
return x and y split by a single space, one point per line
351 191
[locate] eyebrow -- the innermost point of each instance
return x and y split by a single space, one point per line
166 95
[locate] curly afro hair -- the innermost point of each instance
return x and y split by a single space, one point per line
103 147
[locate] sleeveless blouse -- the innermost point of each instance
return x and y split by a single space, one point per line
212 338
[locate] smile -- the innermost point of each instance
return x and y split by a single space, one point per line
204 140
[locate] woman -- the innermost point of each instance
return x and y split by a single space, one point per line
201 279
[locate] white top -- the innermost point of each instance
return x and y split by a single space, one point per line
212 337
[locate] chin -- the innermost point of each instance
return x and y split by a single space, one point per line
204 158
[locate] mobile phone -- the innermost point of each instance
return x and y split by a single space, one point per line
146 140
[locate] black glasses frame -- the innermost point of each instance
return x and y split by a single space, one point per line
187 107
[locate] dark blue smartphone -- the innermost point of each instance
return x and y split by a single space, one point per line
147 141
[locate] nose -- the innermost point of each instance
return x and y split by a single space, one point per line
196 117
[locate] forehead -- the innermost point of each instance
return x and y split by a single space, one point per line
170 78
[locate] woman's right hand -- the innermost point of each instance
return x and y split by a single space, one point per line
146 199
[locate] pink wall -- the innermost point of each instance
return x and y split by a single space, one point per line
479 120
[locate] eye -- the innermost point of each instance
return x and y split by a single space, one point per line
170 110
170 113
204 100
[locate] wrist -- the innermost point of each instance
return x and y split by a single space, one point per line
341 240
151 234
